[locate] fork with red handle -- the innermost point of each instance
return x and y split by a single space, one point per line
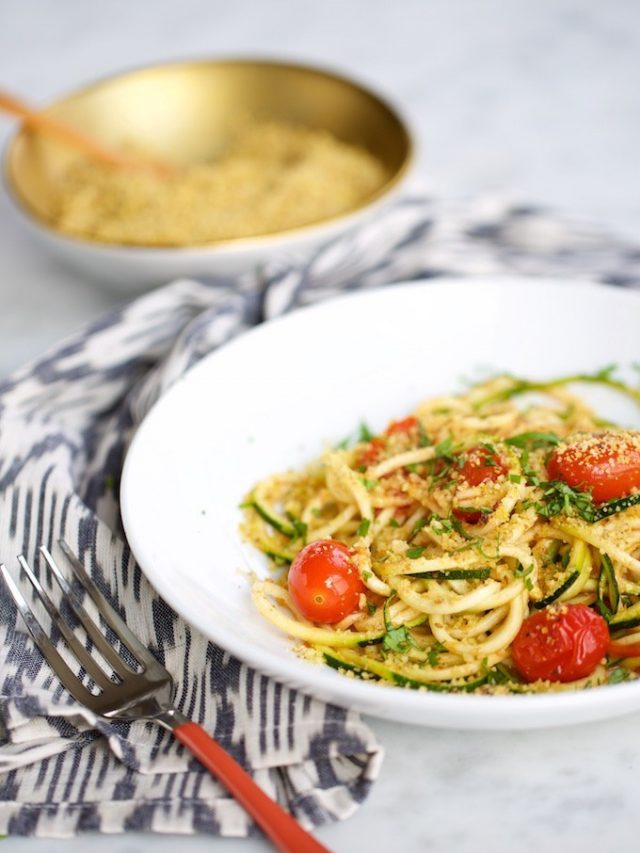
142 695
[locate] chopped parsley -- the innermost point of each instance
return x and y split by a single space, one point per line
433 656
533 440
414 553
491 450
605 376
423 438
444 450
500 674
363 528
558 497
396 639
299 528
619 674
417 527
444 460
369 484
344 444
523 573
440 526
364 433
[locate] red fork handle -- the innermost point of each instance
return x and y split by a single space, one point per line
278 825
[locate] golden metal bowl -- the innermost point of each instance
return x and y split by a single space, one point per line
184 113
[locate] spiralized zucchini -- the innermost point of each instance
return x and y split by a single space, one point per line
451 570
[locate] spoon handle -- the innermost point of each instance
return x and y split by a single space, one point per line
48 124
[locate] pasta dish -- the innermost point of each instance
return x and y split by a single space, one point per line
487 543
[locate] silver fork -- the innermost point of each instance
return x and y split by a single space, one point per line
142 695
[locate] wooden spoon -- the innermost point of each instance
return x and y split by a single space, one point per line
95 150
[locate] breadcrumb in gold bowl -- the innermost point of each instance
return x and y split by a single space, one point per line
269 157
271 177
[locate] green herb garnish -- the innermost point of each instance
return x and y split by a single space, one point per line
417 527
396 639
433 655
299 528
524 386
363 528
619 674
423 438
369 484
523 573
558 497
364 433
414 553
533 440
444 450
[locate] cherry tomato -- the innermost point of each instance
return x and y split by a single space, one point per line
561 643
606 464
371 452
618 649
397 427
323 582
480 466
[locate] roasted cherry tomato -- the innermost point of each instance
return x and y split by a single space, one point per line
480 466
396 427
323 582
607 464
564 642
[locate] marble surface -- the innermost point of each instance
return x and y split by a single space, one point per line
534 100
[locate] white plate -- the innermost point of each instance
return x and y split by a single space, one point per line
276 396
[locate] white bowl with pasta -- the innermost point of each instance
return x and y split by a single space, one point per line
276 398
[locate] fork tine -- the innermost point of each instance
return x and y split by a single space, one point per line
108 613
91 666
68 678
120 667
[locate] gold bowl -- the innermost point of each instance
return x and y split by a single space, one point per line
183 113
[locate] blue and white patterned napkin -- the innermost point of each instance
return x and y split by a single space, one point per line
66 421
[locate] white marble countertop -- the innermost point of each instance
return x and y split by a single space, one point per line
535 100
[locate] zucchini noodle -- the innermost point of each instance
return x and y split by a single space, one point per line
450 569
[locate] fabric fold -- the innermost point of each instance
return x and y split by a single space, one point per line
66 422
